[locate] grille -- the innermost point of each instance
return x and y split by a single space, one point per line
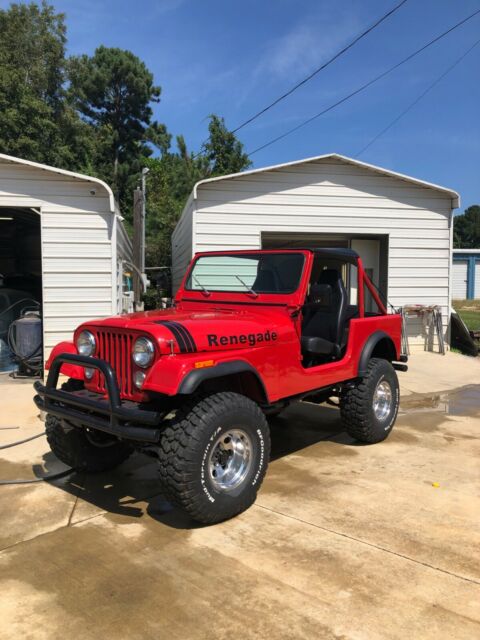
116 349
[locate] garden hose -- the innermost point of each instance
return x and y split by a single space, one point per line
14 444
52 476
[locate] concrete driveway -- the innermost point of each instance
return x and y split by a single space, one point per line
344 541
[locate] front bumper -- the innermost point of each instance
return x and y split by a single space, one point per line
86 409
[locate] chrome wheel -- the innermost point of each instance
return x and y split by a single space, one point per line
230 459
382 400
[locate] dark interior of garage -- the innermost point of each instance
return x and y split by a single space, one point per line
20 292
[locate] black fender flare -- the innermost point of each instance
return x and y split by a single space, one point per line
368 348
192 380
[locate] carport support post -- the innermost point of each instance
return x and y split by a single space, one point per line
138 223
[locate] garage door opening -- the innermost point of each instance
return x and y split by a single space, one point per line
20 291
373 251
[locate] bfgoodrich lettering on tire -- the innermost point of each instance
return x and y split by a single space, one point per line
369 409
214 455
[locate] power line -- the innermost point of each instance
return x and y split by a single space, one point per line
364 86
321 68
309 77
417 100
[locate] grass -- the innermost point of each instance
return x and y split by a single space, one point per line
471 319
469 311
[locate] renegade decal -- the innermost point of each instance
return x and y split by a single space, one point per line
252 339
185 340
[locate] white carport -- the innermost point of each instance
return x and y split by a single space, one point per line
401 226
61 240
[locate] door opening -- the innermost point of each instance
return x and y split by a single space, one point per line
20 292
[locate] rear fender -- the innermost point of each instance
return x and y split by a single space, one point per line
379 344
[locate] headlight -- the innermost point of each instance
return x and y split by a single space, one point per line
143 352
86 343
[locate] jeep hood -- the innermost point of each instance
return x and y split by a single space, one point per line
207 330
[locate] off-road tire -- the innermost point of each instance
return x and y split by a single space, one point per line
356 404
188 441
71 446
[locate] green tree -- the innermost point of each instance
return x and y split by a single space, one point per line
223 150
113 91
36 121
171 180
466 229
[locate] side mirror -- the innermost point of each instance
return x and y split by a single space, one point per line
321 294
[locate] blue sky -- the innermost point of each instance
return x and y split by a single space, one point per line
232 58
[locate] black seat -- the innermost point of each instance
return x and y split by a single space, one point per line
325 316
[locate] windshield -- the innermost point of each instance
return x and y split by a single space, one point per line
251 273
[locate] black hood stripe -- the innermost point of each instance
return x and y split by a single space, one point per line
184 338
186 334
176 334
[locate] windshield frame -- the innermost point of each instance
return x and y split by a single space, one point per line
247 253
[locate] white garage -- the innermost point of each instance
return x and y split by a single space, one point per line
400 226
62 245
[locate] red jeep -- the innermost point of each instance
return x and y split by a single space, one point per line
250 332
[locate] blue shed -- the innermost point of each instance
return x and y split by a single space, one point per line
466 274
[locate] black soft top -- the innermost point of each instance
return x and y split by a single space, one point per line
346 255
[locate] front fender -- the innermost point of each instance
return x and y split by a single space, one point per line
172 375
69 370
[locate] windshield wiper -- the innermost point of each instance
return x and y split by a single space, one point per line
204 289
249 289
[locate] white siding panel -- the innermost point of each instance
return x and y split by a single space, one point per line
366 226
305 219
182 244
342 206
78 265
75 221
79 279
70 323
406 251
88 236
77 309
338 199
64 203
49 189
77 294
51 338
358 187
124 244
76 250
477 280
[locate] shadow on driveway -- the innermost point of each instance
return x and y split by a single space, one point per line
123 490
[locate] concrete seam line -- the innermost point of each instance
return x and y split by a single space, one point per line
96 515
46 533
370 544
69 523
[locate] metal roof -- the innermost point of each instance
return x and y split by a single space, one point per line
63 172
336 156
